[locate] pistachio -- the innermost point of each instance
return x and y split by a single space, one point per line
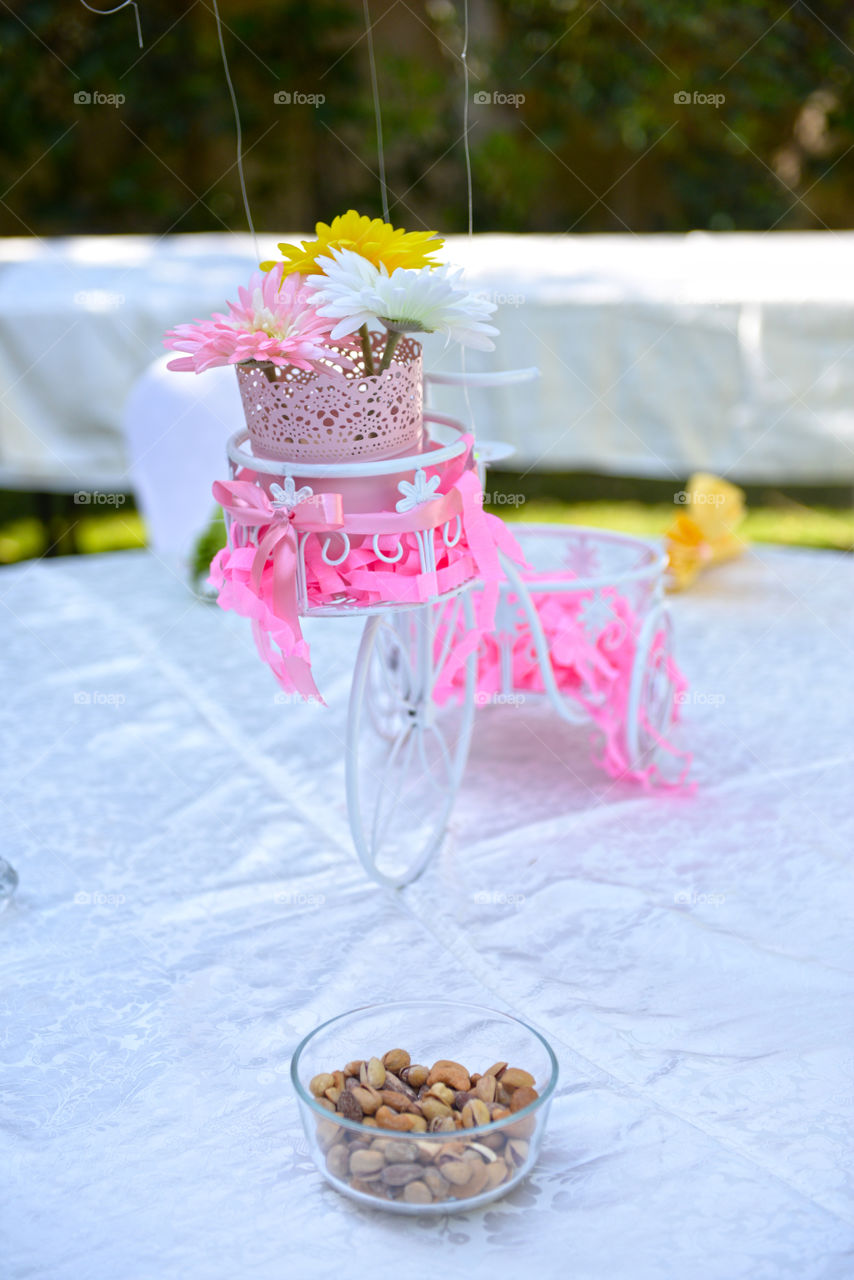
522 1128
496 1069
451 1150
514 1078
485 1088
337 1160
396 1060
321 1083
442 1124
484 1152
438 1184
399 1151
445 1071
366 1162
475 1113
328 1133
516 1151
375 1073
433 1109
457 1172
476 1183
417 1193
461 1097
523 1097
414 1076
495 1174
368 1099
397 1175
442 1092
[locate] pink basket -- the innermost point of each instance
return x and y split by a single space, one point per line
338 415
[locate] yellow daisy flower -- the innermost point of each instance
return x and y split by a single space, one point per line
374 239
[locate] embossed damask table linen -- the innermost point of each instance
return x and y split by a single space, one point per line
190 906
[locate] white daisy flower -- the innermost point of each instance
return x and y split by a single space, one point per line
426 300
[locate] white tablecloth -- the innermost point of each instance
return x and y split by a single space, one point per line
190 906
660 354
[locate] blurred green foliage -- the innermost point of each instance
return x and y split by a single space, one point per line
598 144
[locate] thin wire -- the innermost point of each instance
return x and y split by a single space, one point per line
469 189
238 129
124 4
377 113
466 149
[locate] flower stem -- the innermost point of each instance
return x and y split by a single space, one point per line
366 350
391 343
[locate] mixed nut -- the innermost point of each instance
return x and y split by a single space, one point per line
396 1101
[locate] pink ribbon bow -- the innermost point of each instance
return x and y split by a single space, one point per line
248 505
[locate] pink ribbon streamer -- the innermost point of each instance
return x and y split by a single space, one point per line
249 507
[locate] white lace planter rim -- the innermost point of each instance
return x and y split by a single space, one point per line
337 415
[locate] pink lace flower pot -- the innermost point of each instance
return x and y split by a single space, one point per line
339 415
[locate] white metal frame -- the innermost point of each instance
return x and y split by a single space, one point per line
398 652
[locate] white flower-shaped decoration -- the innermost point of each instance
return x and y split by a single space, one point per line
421 490
594 615
353 292
290 496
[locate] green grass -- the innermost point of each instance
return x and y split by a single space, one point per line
823 517
797 526
109 531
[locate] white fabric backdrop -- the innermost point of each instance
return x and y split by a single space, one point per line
660 354
190 906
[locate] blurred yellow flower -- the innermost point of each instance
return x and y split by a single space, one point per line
707 536
374 239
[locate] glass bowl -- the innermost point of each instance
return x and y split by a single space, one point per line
424 1172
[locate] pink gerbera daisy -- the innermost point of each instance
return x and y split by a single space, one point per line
273 321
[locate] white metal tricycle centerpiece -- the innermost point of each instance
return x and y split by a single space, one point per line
345 496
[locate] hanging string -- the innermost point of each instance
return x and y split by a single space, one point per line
469 188
377 113
237 128
124 4
466 148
